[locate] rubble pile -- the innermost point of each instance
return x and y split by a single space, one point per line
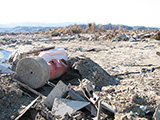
112 75
133 95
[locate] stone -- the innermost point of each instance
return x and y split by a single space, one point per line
13 45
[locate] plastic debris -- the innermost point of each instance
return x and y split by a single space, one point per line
4 57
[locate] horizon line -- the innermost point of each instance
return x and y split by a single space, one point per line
56 24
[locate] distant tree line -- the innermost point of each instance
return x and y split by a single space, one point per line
92 28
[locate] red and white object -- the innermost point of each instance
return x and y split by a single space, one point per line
57 68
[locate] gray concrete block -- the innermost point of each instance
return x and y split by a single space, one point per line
58 91
33 71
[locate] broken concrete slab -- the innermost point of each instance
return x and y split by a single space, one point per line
58 91
62 106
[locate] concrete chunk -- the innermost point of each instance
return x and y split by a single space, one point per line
33 71
58 91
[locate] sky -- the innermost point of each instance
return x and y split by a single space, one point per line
126 12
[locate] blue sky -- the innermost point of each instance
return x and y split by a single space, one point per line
127 12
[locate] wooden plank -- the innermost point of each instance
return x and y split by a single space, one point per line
28 88
40 50
27 108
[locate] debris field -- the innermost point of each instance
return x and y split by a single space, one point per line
107 79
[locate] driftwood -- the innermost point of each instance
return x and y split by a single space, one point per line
126 73
27 108
99 110
28 88
85 94
40 50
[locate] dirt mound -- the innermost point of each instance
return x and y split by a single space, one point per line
12 99
90 70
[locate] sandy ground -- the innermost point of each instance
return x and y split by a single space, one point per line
135 91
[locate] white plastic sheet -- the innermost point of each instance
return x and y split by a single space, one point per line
57 53
4 56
